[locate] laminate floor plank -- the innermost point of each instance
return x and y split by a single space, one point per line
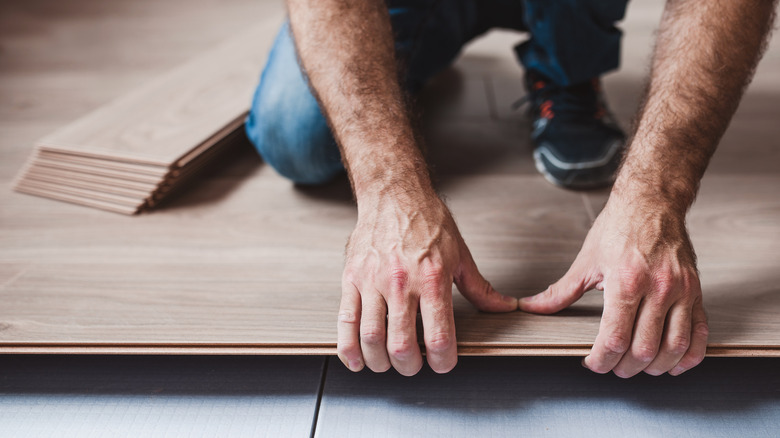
242 261
166 275
45 162
164 120
78 200
105 163
78 183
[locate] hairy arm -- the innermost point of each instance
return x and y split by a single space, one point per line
638 250
405 251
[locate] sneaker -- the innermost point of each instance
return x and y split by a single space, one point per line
577 142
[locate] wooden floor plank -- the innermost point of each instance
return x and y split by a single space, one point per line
244 263
164 120
104 163
129 294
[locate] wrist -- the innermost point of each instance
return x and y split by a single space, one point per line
662 191
391 174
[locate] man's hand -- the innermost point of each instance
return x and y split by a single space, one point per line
403 256
653 320
406 251
638 251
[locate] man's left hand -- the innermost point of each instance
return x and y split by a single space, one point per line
640 255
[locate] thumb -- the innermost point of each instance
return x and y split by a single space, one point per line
559 295
479 292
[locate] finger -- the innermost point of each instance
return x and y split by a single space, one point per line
699 333
439 326
478 291
348 328
646 339
559 295
676 340
402 346
373 332
615 330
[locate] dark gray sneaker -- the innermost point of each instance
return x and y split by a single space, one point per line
577 142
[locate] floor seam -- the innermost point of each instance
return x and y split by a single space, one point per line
320 391
588 208
490 94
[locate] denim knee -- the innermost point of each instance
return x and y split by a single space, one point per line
285 122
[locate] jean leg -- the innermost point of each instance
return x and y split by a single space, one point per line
430 34
285 122
572 41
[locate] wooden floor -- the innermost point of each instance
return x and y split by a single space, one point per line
244 263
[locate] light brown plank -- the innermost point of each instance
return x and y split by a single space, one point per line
164 120
72 176
242 263
108 206
76 183
79 192
273 279
104 163
91 170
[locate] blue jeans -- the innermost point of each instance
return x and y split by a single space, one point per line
571 41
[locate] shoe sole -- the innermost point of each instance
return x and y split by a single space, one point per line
576 170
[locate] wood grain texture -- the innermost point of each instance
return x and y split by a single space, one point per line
79 183
244 263
185 116
266 275
165 119
105 163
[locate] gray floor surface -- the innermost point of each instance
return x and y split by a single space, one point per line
288 397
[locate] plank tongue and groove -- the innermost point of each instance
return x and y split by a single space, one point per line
160 134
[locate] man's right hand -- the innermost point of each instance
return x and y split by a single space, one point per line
404 255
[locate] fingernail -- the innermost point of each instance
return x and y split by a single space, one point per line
584 364
676 371
508 299
355 365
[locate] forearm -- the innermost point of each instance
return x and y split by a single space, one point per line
705 56
347 51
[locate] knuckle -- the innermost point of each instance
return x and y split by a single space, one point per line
347 349
372 337
664 283
679 344
644 353
399 278
401 349
433 277
702 329
349 276
631 278
438 342
347 317
616 344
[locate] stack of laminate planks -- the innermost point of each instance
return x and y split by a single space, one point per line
129 155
